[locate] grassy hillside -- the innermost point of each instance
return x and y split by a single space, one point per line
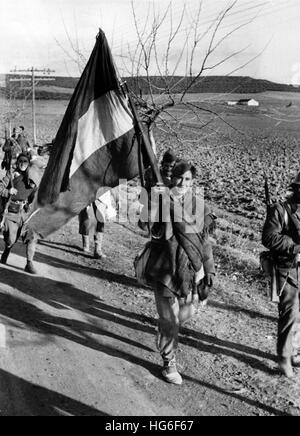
211 84
63 86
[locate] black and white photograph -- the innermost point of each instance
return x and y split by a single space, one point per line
149 210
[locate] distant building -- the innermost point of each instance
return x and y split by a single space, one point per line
2 80
248 102
244 102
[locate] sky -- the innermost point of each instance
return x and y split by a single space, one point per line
50 33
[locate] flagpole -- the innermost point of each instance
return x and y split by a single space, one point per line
168 228
141 131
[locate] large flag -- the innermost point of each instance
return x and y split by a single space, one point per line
95 145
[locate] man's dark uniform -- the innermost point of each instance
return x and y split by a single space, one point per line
169 159
281 235
12 150
25 183
23 142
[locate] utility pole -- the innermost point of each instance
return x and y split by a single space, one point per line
34 81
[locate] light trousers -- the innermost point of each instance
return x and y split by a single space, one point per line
172 312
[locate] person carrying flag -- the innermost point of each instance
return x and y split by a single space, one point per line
180 267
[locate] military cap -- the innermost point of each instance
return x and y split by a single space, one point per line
182 167
169 156
296 181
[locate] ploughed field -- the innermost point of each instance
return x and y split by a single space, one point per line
232 150
227 353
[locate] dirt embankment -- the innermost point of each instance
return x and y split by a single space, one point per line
80 337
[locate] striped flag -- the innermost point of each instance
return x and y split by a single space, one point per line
95 145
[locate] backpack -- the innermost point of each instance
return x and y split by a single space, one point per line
266 259
268 266
141 263
2 205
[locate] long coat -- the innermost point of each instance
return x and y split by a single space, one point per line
281 235
175 259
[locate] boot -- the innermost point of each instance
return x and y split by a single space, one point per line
296 361
29 268
86 243
158 339
98 254
285 366
5 255
30 252
170 373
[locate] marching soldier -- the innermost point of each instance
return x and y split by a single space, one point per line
181 265
18 189
85 227
22 140
281 235
12 150
101 210
167 165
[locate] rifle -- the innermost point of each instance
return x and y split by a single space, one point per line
272 267
267 192
9 198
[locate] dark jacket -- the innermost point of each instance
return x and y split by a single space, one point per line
23 142
21 183
174 261
12 148
281 232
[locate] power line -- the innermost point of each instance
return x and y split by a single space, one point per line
34 80
244 19
273 12
209 19
206 19
243 13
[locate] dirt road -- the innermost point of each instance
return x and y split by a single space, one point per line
79 339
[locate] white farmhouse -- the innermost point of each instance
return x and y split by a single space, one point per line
244 102
248 102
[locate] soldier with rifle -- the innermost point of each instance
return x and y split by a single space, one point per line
281 235
12 150
18 188
168 162
22 140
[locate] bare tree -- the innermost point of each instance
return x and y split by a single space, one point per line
73 51
174 51
165 67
